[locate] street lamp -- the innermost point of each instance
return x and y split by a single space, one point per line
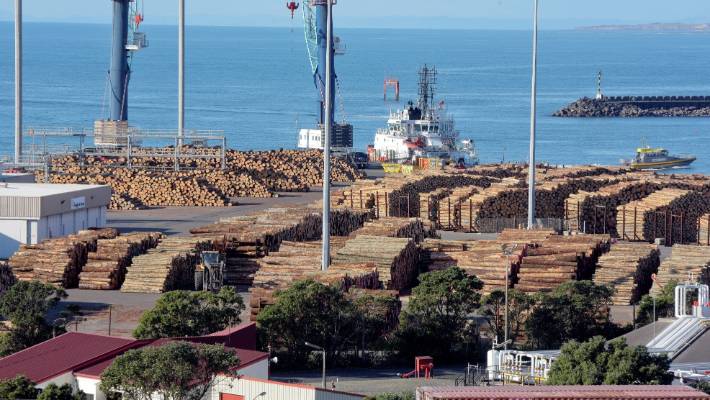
533 125
327 131
322 350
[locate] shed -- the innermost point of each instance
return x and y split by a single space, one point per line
645 392
32 212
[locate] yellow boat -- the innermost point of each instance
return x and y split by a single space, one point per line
659 158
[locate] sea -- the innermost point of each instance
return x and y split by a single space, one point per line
256 85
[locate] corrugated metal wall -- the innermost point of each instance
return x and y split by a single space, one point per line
252 388
19 207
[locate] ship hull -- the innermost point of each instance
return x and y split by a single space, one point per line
678 163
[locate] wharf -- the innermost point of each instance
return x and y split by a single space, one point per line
638 106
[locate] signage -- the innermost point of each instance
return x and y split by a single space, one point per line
78 202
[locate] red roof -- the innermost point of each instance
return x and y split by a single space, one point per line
59 355
90 355
562 393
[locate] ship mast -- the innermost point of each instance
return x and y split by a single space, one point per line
427 88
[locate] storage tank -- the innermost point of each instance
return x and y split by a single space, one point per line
493 364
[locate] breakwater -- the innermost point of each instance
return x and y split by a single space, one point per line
638 106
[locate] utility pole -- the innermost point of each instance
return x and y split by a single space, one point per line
18 81
327 129
181 71
533 125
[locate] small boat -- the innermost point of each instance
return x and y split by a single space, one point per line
658 158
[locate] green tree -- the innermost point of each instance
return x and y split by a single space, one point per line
577 310
437 319
26 305
597 363
519 305
313 312
702 386
17 388
64 392
379 316
665 302
182 313
177 371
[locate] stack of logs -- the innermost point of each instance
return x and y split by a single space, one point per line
412 228
669 213
57 261
484 259
153 181
106 267
559 259
686 263
404 202
169 266
628 268
396 259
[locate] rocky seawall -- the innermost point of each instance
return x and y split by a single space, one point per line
627 107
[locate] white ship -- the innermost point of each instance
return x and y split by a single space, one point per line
423 130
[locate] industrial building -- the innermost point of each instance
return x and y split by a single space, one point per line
6 177
247 388
561 393
30 213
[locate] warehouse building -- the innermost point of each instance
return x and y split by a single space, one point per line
641 392
19 177
30 213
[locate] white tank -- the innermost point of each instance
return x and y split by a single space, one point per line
493 364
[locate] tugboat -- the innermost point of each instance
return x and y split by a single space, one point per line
658 158
423 130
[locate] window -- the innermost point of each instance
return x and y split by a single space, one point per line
88 397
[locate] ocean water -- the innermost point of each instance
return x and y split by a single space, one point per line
255 84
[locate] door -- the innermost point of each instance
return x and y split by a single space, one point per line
227 396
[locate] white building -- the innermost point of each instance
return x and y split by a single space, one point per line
30 212
248 388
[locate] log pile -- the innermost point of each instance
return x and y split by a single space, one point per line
412 228
203 182
483 258
686 263
704 230
396 259
430 202
596 212
668 213
472 207
628 268
559 259
404 202
449 208
389 310
57 261
106 267
169 266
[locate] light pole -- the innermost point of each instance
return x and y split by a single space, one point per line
327 129
322 350
181 71
18 81
533 125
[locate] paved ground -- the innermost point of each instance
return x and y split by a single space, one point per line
373 381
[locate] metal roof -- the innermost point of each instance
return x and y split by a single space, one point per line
41 189
561 393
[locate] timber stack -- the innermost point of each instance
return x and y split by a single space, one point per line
396 259
382 305
412 228
669 213
449 208
559 259
471 208
687 263
106 267
628 268
57 261
169 266
429 204
596 212
704 230
483 258
404 202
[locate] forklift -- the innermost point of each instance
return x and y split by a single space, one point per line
209 275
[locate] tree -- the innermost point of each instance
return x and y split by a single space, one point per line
313 312
64 392
17 388
182 313
177 371
519 305
702 386
437 319
577 310
26 305
665 302
597 363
